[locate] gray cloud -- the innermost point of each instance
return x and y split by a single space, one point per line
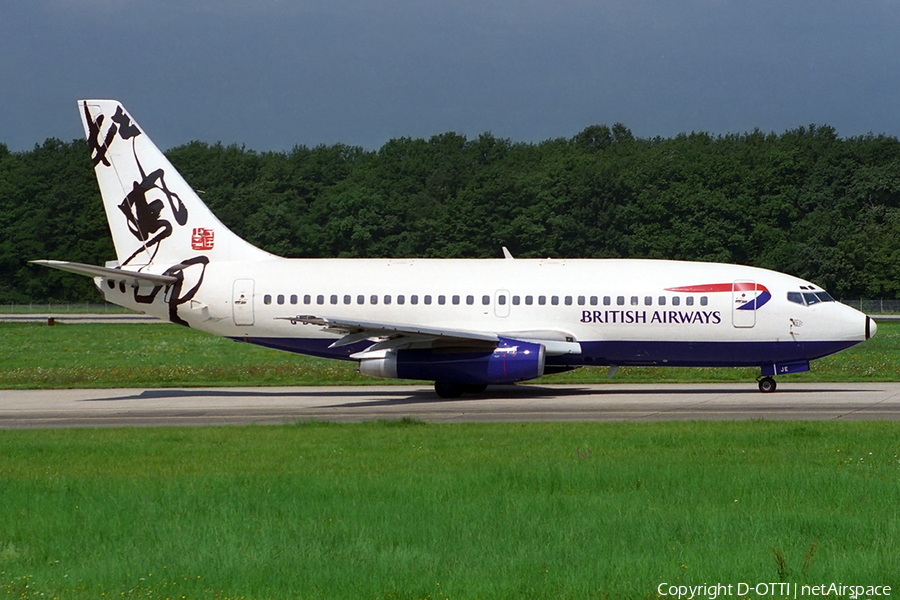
272 74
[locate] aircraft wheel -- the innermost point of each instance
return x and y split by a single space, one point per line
767 385
446 389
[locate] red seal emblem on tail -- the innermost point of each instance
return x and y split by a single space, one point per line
202 239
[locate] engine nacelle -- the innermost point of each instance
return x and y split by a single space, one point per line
510 361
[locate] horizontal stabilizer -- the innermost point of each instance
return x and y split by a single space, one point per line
130 277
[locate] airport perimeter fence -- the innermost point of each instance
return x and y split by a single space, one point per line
67 308
878 306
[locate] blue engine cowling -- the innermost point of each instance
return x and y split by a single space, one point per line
511 361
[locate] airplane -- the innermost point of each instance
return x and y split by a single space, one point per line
462 323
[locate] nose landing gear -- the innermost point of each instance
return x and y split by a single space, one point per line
766 380
767 385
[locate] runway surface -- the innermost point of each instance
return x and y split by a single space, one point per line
610 402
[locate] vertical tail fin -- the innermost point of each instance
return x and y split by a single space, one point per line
154 216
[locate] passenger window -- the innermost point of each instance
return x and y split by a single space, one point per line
634 300
470 300
487 300
442 300
267 299
360 299
542 300
594 300
373 299
293 298
529 300
455 300
662 300
515 300
347 299
581 300
648 300
689 300
704 300
501 300
795 297
554 300
334 299
676 300
414 299
320 299
401 299
280 299
620 300
607 300
387 298
307 299
568 300
428 299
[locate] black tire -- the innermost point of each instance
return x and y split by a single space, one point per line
446 389
767 385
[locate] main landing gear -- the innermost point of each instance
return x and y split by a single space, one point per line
448 389
767 385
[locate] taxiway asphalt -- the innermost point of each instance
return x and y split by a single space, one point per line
608 402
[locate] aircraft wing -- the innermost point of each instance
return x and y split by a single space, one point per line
398 336
130 277
394 335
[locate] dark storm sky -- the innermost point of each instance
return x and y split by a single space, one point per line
272 74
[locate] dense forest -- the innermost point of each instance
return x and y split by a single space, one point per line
805 202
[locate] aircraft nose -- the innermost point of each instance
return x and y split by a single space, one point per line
871 327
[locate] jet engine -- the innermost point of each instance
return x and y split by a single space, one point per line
511 361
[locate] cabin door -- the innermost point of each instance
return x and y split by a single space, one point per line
743 304
242 302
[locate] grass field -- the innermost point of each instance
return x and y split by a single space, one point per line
407 510
33 355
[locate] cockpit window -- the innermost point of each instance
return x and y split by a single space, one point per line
809 298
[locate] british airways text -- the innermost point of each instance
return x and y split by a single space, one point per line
628 317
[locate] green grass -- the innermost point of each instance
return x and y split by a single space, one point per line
408 510
33 355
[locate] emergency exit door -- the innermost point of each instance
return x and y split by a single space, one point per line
242 302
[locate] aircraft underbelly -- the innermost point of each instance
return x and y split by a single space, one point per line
622 353
704 354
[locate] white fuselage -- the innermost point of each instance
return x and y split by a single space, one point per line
619 311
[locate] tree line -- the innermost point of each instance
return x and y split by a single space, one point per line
805 202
